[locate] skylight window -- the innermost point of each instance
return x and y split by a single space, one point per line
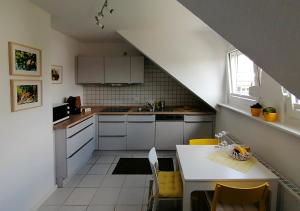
243 74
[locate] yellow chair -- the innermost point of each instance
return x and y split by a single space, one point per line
167 184
211 141
235 198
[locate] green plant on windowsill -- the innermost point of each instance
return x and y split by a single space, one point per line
270 114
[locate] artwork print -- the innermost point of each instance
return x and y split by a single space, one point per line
25 94
24 60
56 74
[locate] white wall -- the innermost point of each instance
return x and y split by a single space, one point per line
63 52
196 58
26 152
108 49
266 31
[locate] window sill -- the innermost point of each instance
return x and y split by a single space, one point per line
276 125
244 97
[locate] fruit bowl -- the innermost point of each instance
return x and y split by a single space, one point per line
239 152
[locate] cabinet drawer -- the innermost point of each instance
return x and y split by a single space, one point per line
112 143
78 160
112 118
140 135
76 128
141 118
76 141
199 118
112 129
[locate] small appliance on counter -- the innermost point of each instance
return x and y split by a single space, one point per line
61 112
75 104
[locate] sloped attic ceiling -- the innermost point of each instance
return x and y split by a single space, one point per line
165 31
266 31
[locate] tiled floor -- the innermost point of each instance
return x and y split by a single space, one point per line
94 188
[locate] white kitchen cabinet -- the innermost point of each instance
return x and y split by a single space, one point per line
140 132
117 69
198 126
90 69
74 146
168 134
112 132
137 69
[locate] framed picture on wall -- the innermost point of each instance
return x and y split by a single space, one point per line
25 94
24 60
56 74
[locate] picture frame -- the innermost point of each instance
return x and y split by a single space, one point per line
24 60
56 74
25 94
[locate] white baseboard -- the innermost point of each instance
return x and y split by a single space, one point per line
43 199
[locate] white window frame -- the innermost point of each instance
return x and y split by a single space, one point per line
257 73
292 106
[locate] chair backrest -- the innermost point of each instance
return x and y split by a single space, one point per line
207 141
241 196
152 156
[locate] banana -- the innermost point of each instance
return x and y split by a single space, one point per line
241 150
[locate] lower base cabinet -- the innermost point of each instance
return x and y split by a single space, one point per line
168 135
112 143
196 126
140 135
73 148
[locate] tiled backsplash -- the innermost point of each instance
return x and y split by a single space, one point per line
158 85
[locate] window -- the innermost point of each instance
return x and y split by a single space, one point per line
243 74
293 104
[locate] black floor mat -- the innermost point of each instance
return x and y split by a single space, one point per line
141 165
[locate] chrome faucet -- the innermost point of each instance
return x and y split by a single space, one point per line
151 104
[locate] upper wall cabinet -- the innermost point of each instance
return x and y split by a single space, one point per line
125 69
117 69
137 69
90 69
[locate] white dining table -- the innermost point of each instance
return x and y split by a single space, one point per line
199 173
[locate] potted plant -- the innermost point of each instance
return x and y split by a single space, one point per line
256 109
270 114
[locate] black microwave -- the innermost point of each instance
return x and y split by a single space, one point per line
61 112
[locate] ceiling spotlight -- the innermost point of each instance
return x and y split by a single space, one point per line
108 8
100 14
100 25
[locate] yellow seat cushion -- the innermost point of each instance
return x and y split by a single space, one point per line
170 184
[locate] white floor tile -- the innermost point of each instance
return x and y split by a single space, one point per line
74 181
73 208
93 160
113 181
106 159
106 196
135 181
91 181
59 196
99 169
131 196
81 196
48 208
128 208
85 169
101 208
112 168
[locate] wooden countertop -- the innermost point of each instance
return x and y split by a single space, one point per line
97 110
